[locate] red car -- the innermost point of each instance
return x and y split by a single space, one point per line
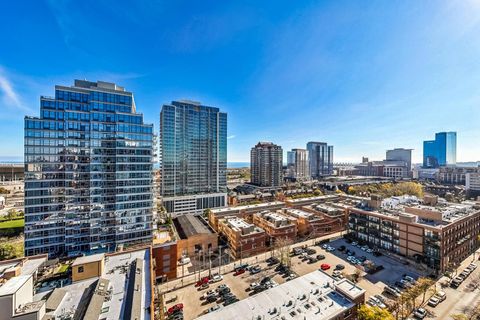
325 266
202 281
175 308
239 272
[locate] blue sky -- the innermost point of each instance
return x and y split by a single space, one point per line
364 76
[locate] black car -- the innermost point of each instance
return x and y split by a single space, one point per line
362 258
280 268
272 260
224 291
341 248
320 257
377 253
312 260
211 298
230 301
310 251
339 267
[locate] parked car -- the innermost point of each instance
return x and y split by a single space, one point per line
310 251
255 270
221 287
354 243
339 267
216 278
409 279
378 303
204 286
324 246
212 308
184 260
211 298
456 282
337 274
433 302
341 248
209 293
230 301
241 266
273 260
297 251
325 266
441 295
239 272
253 285
175 308
393 291
420 313
202 281
320 257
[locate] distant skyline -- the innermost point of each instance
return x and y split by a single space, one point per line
362 76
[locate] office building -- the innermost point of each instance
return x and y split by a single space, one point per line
315 295
455 175
266 163
431 231
88 172
193 157
440 152
297 165
472 184
320 159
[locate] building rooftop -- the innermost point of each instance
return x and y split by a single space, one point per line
242 226
123 291
312 296
12 285
258 206
190 225
88 259
300 213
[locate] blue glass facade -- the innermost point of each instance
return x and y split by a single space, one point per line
193 155
88 172
440 152
320 159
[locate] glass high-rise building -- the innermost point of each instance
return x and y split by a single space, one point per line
193 157
88 172
440 152
320 159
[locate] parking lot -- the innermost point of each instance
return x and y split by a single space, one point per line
239 285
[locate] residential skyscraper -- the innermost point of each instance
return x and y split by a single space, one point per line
297 164
320 158
193 157
88 172
440 152
266 163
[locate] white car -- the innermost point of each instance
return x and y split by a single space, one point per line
213 308
441 295
378 303
354 243
253 285
369 250
183 261
216 278
420 313
434 301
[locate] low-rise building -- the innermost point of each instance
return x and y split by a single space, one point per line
313 296
455 174
194 236
472 184
244 239
276 225
164 254
433 232
104 286
308 224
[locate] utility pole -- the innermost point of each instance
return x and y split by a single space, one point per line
220 261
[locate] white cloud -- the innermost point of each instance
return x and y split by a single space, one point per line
9 96
231 137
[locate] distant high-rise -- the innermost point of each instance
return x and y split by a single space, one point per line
266 163
440 152
193 157
320 158
401 154
297 164
88 172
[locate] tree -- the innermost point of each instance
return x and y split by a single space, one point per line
423 285
317 192
373 313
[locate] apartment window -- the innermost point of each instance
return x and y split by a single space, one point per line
80 269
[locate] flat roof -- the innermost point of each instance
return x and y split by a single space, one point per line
88 259
312 296
190 225
12 285
250 206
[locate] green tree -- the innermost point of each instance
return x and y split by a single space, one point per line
373 313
